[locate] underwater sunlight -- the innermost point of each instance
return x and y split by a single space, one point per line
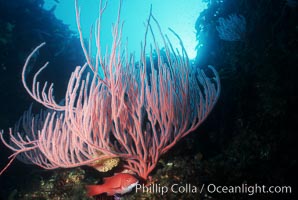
178 16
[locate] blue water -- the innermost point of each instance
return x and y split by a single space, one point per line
180 15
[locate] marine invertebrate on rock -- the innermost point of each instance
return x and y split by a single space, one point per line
127 113
232 28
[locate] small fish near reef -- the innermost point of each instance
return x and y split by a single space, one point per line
119 184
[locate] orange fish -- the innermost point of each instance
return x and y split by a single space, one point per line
119 184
